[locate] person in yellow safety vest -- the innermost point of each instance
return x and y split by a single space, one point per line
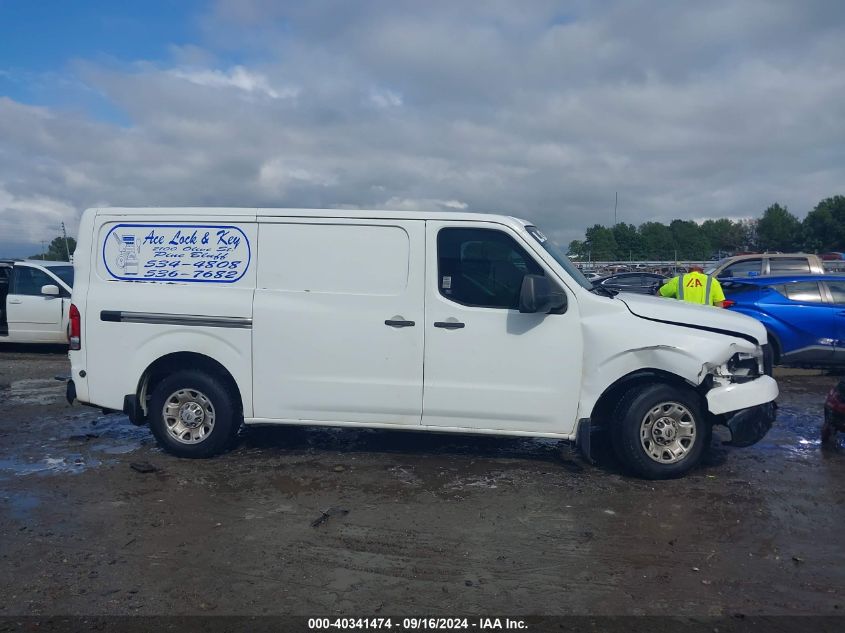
694 287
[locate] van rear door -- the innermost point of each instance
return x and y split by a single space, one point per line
337 320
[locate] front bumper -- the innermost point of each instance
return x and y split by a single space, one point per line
737 396
749 426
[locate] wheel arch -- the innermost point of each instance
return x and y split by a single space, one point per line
775 344
604 406
177 361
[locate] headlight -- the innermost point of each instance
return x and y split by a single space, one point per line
743 367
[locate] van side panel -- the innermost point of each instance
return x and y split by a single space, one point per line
174 306
339 321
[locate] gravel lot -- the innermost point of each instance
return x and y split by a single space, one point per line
323 521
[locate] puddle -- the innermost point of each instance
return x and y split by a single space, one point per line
19 506
38 391
112 449
74 445
72 464
109 434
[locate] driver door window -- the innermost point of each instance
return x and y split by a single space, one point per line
482 267
29 281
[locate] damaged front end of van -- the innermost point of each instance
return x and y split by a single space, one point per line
729 387
721 357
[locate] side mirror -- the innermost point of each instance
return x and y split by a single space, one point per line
50 290
538 294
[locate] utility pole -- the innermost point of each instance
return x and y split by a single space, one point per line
67 248
615 205
43 250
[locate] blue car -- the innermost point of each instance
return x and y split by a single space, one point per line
804 315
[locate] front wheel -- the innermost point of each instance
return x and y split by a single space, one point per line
193 414
659 431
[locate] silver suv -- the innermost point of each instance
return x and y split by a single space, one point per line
767 264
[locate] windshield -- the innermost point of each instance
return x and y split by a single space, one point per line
711 269
65 273
555 251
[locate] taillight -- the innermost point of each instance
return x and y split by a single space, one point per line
727 303
74 328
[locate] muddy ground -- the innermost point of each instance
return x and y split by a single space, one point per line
414 523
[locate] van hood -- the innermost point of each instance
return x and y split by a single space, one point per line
694 316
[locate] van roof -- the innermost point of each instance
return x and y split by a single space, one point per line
256 212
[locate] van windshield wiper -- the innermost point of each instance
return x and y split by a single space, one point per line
607 292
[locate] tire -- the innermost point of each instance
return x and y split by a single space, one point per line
828 433
659 444
774 347
201 419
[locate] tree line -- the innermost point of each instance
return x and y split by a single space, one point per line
58 250
777 229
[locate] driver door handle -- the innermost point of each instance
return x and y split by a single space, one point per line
449 325
398 323
15 301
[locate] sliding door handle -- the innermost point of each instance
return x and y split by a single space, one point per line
449 325
399 323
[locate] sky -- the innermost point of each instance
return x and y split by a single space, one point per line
542 109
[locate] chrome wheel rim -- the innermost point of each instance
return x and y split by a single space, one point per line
667 432
188 416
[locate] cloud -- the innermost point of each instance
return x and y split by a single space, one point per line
382 98
25 217
277 176
542 110
422 204
237 77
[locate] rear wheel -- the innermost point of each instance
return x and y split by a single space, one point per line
659 431
193 414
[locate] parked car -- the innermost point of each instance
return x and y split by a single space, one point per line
639 282
196 320
804 315
34 305
767 264
5 273
834 413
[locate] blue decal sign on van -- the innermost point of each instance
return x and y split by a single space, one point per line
176 252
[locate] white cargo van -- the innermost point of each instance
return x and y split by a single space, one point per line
196 320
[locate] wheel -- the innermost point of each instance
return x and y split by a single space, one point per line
659 431
193 414
774 347
828 433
